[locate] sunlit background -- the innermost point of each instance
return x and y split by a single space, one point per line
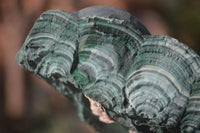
27 104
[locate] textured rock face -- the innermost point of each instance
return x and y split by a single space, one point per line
145 83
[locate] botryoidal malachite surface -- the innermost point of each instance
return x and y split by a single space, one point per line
146 83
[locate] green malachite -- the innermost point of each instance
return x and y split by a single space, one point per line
148 84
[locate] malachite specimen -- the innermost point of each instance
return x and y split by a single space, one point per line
147 84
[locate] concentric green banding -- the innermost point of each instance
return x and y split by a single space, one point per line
143 81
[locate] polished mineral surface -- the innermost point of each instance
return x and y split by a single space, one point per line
147 84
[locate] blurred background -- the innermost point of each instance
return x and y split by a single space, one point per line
29 105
